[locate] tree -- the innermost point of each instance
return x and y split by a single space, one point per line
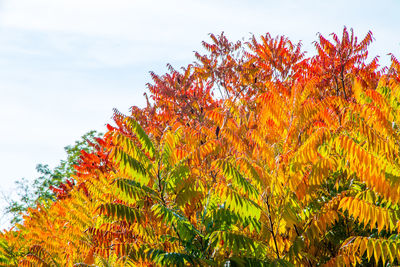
295 163
39 191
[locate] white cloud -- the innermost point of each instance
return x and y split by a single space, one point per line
138 20
145 29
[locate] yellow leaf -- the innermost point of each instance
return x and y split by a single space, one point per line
363 245
372 215
370 248
380 220
377 251
356 244
363 210
392 251
384 250
344 203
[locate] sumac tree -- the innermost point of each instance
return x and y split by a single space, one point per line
253 155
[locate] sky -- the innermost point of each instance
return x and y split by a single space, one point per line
65 64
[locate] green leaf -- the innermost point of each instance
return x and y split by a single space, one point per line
120 212
141 135
134 189
131 166
231 173
182 225
241 204
130 147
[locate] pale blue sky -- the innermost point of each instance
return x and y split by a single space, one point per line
65 64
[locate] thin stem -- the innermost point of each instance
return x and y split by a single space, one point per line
272 228
342 78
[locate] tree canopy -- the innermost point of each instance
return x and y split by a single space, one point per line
254 155
39 191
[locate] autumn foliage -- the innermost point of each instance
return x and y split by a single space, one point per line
254 155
